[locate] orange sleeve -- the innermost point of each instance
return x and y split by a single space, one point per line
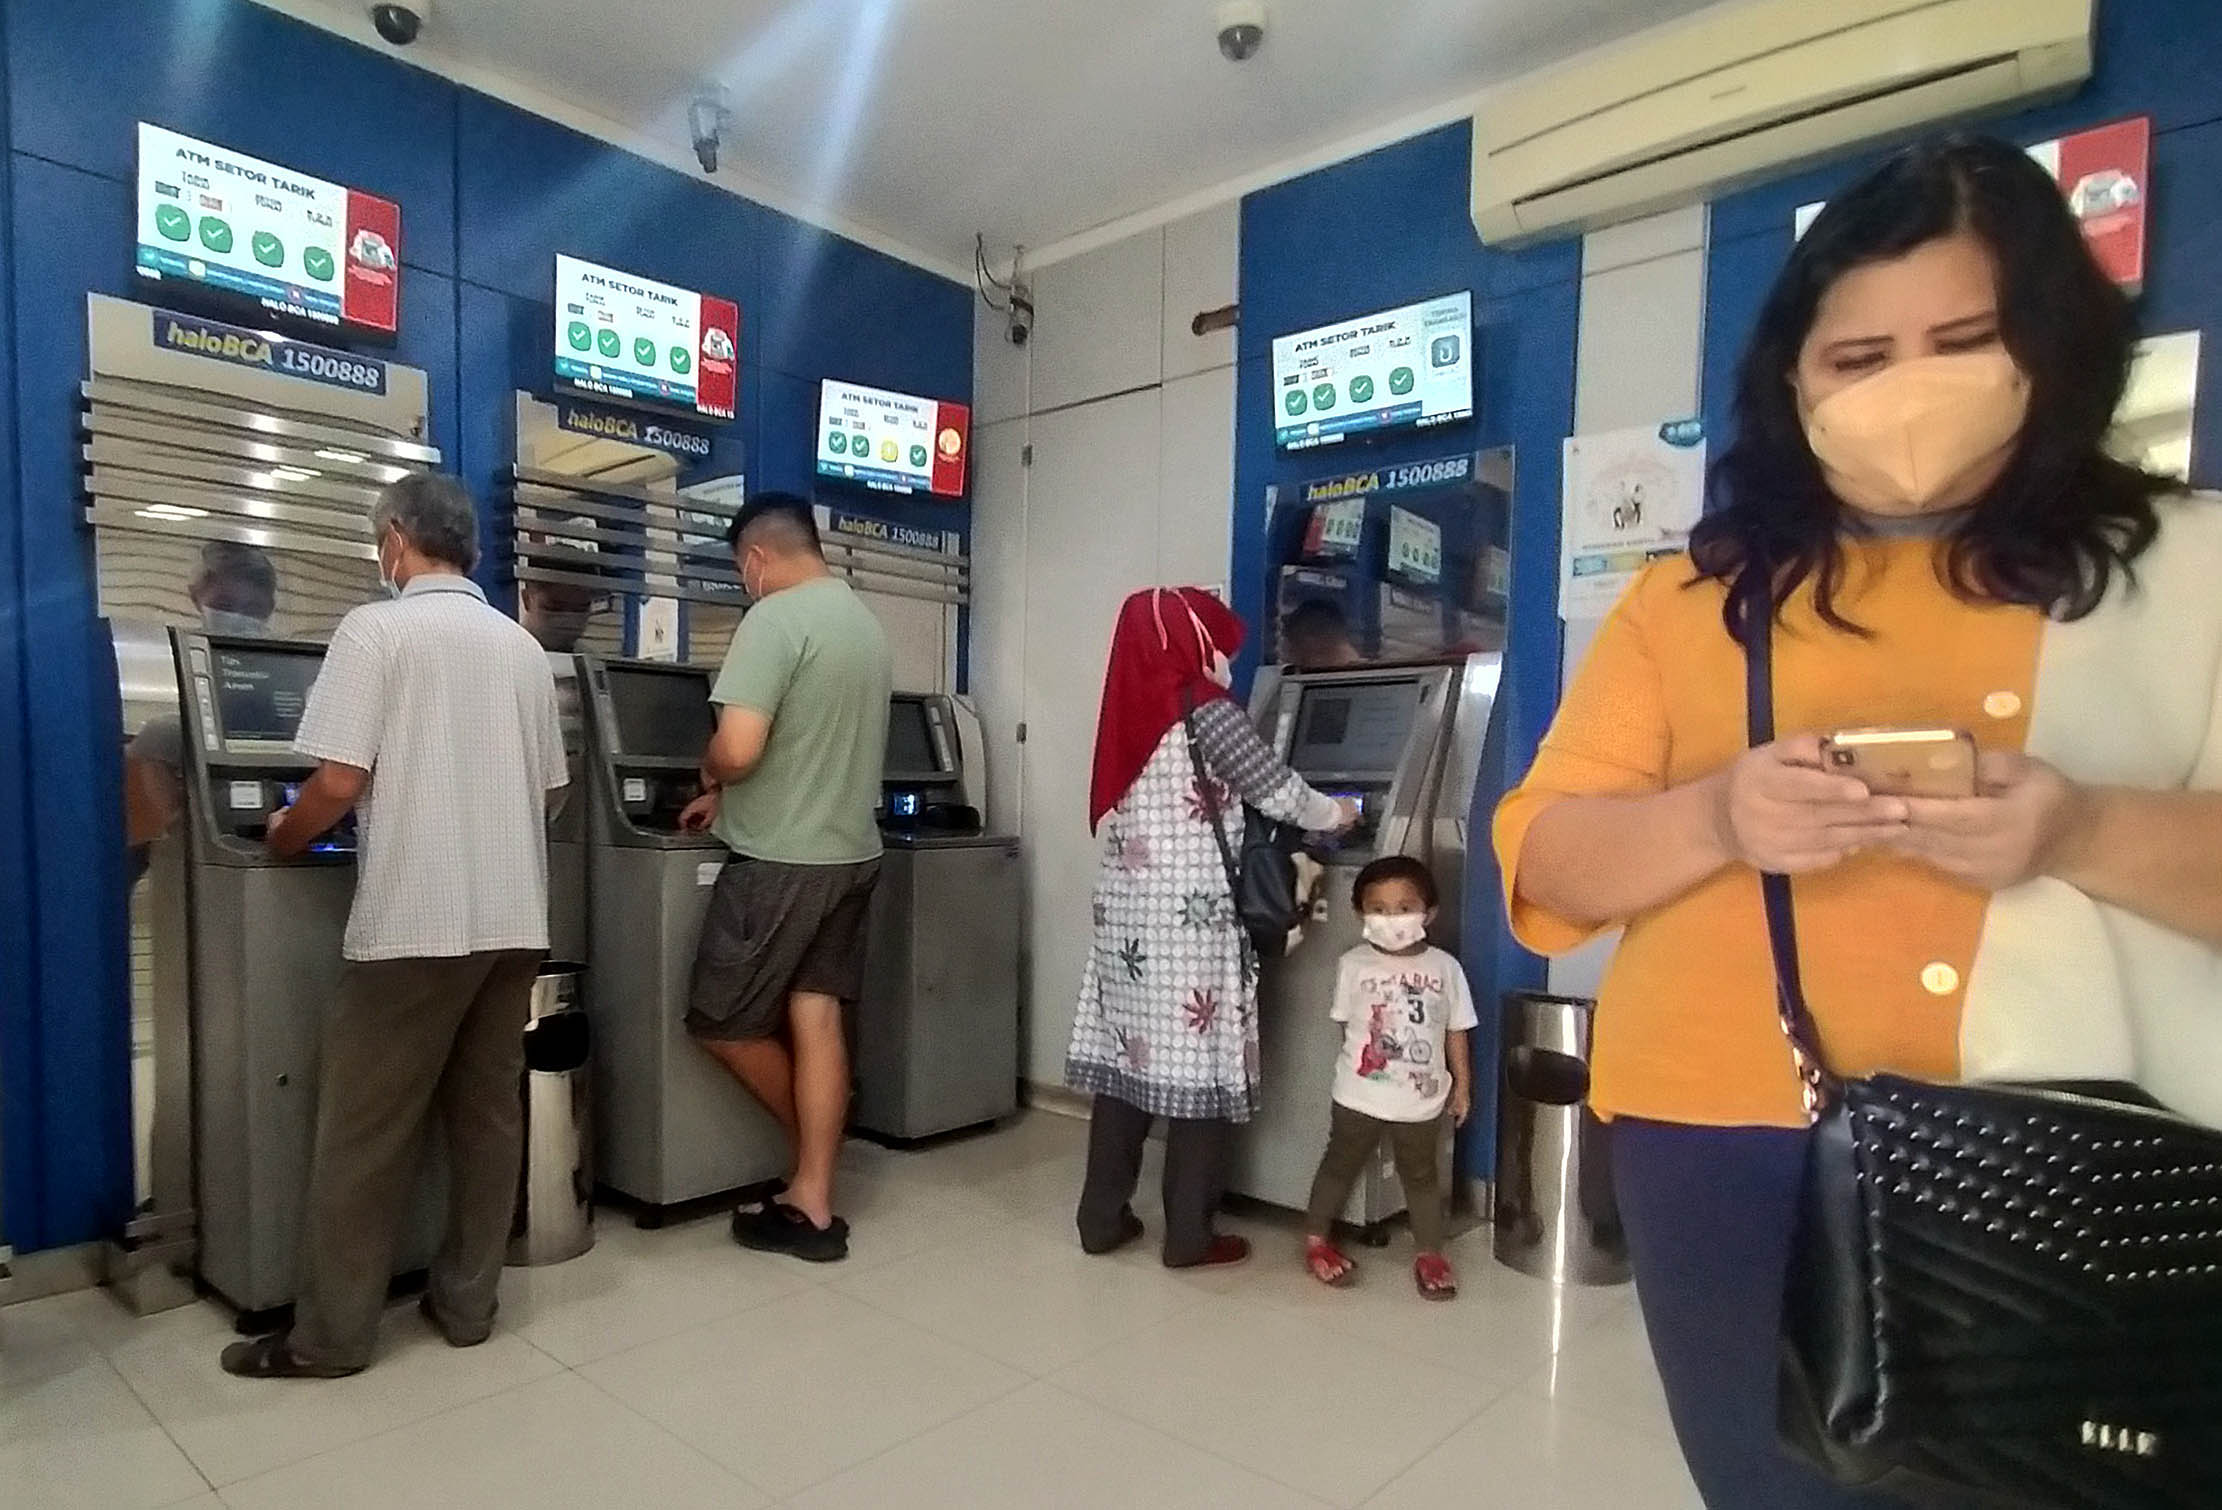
1609 739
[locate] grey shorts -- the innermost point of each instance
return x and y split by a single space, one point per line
773 930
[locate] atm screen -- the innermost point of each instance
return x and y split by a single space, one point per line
260 694
910 740
661 713
1353 729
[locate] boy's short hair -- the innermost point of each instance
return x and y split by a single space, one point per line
1395 868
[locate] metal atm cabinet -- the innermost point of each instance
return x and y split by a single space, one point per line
672 1125
567 935
937 1028
259 941
1405 742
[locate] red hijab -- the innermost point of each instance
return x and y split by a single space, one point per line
1162 651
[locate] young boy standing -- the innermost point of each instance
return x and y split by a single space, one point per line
1405 1012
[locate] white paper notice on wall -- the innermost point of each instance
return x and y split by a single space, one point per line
706 873
659 629
1631 499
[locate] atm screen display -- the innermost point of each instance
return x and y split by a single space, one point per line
910 740
260 694
661 713
1353 728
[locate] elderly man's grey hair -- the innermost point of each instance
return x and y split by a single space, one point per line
433 513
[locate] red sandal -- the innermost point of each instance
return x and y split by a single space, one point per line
1329 1264
1226 1250
1432 1273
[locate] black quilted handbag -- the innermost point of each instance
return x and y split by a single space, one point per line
2000 1295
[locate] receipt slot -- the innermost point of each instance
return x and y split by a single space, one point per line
1404 743
261 944
672 1125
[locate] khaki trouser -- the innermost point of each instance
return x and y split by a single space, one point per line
408 1038
1351 1140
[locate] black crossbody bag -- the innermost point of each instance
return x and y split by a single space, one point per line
1999 1295
1263 878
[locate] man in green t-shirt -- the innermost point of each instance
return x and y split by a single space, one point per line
790 780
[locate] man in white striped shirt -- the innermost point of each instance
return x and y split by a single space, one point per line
434 719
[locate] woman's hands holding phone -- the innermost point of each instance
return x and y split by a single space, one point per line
2024 819
1778 809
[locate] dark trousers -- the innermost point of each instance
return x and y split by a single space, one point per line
407 1039
1709 1214
1352 1138
1195 1178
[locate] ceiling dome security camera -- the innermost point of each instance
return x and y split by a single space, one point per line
1241 29
400 21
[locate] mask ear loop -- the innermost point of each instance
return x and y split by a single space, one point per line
1205 646
1157 612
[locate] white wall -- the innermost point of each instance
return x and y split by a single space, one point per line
1130 420
1640 356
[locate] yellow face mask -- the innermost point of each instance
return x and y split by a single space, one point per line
1900 441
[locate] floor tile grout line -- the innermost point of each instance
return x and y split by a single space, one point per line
397 1426
148 1406
1209 1450
1025 1379
696 1324
1173 1436
657 1426
1503 1394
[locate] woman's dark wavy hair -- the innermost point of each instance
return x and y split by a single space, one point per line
2065 518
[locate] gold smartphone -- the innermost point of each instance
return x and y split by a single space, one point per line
1905 762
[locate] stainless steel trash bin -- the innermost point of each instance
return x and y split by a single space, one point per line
1556 1217
555 1184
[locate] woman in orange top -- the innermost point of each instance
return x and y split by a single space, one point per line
1920 458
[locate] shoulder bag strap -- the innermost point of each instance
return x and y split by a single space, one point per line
1207 792
1758 615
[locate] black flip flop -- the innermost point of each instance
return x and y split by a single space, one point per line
272 1358
780 1228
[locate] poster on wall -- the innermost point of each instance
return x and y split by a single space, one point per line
2106 174
1632 497
623 337
893 442
265 235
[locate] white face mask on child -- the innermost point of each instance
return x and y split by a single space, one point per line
1395 931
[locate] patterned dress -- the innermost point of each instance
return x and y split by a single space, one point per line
1168 1018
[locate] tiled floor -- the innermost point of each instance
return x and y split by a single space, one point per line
967 1356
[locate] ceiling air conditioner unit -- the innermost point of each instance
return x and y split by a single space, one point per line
1742 92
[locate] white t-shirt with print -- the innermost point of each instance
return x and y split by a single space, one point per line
1398 1011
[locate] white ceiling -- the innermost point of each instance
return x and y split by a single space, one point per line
1031 120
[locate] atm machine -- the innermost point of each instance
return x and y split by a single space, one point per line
261 940
937 1028
567 936
671 1125
1405 743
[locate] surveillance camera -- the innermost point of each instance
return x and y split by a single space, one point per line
706 118
400 23
1241 29
1022 317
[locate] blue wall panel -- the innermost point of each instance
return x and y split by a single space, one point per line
1386 229
73 734
528 188
22 1141
831 308
486 191
85 72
